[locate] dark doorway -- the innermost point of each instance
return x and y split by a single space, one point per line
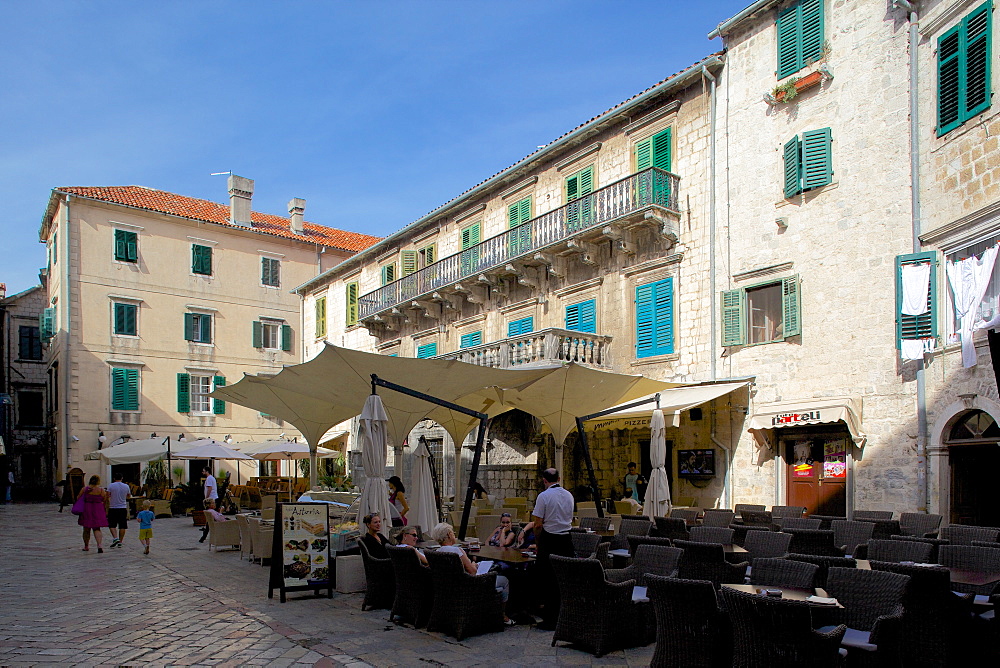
973 484
130 472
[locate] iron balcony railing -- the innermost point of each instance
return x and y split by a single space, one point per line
545 345
649 188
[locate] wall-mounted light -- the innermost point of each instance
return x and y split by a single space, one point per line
74 437
229 439
782 223
101 438
153 435
181 438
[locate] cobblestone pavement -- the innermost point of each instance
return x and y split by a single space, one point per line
184 605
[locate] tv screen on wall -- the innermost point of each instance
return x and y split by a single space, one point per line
696 463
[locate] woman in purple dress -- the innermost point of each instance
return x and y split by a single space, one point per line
95 512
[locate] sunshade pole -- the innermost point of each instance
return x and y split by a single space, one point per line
480 437
170 474
586 448
590 467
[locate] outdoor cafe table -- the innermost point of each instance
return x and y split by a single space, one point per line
787 593
508 555
958 575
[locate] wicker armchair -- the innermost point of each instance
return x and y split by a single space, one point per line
783 573
635 541
960 534
718 518
689 515
866 515
647 559
593 612
884 528
757 518
380 581
263 540
741 531
739 508
788 511
824 563
936 628
161 508
814 541
601 554
870 598
414 587
849 534
705 534
596 523
935 543
464 604
630 527
246 537
797 523
691 630
584 544
707 561
672 527
973 558
778 632
899 550
222 534
924 525
825 520
763 544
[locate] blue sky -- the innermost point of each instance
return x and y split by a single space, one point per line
374 112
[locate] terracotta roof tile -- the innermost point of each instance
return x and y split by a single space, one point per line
161 201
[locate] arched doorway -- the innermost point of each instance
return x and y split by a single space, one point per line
974 457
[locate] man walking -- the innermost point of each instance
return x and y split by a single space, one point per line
552 517
211 486
118 510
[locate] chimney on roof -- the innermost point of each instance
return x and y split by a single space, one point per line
296 209
240 194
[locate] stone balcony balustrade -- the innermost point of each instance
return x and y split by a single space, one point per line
550 345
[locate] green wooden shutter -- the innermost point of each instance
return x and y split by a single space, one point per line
579 185
791 313
46 324
258 334
643 320
286 338
189 326
471 235
654 318
978 47
320 316
201 259
388 273
408 261
218 405
430 254
117 389
183 393
817 169
125 319
793 167
121 254
131 389
789 41
521 326
472 339
519 213
206 328
921 326
644 154
734 318
427 350
582 317
811 31
587 181
131 247
949 80
352 303
661 150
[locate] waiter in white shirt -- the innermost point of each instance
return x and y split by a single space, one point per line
553 516
211 486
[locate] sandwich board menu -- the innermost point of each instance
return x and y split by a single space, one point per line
300 554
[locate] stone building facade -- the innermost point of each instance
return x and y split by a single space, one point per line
154 299
25 404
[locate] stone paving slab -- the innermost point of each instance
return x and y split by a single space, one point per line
185 605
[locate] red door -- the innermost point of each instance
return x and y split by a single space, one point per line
817 475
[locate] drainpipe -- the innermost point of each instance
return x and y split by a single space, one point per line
915 222
711 224
64 299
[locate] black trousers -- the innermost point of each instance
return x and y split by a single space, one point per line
559 544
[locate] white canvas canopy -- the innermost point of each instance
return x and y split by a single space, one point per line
672 402
132 452
799 412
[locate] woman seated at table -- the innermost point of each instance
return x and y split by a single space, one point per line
444 534
505 534
409 539
373 539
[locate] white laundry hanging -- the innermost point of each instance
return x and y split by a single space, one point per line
915 349
969 279
916 279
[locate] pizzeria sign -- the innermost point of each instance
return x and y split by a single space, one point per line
786 419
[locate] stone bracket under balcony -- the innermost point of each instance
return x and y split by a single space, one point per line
546 346
645 199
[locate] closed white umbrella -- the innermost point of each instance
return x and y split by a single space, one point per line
372 435
423 508
658 490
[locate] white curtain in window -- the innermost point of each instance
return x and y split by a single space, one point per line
969 279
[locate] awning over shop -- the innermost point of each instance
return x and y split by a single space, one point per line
132 452
672 402
800 412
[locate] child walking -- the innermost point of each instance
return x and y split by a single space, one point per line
145 517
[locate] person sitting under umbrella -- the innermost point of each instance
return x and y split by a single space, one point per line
444 534
374 540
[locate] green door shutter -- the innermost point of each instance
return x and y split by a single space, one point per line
734 318
206 328
949 80
643 154
790 306
258 334
469 260
789 41
978 46
921 326
578 186
793 167
811 31
218 405
124 389
189 326
817 169
286 338
654 322
352 303
183 393
408 261
582 317
519 213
